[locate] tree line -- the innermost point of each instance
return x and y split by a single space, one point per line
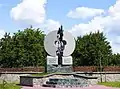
26 49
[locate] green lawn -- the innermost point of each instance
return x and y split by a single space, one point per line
40 74
110 84
44 74
9 86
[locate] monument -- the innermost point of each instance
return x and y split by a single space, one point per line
59 45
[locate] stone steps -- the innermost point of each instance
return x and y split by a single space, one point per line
49 85
48 82
53 82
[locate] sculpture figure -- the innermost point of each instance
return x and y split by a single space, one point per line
60 45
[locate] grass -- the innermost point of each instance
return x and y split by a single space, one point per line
9 86
40 74
44 74
110 84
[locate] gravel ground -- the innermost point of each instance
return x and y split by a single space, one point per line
91 87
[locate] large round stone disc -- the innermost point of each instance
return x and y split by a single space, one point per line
51 48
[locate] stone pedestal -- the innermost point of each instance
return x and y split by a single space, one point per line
52 64
59 69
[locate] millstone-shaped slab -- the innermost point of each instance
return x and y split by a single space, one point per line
51 47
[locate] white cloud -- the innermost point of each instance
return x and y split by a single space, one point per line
32 12
97 23
109 24
115 47
84 12
29 12
51 25
2 33
115 9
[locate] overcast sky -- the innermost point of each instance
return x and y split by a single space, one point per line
77 16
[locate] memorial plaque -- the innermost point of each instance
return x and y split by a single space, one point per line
67 60
52 60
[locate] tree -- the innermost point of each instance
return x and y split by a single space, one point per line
115 59
6 51
26 48
91 49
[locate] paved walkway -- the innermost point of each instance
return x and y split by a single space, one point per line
92 87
